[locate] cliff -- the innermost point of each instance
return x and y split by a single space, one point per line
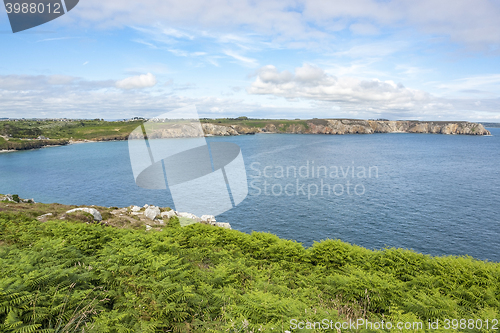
349 126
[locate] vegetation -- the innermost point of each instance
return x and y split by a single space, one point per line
17 144
281 124
68 129
24 134
76 276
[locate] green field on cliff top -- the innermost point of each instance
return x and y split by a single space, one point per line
74 275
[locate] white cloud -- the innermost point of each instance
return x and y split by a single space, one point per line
364 29
33 82
481 83
471 22
357 98
313 83
137 82
245 60
318 94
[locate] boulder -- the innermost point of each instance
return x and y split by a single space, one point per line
208 218
168 215
95 213
148 227
41 217
187 215
152 212
135 208
15 198
221 224
7 197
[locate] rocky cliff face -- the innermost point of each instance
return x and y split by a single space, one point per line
353 126
320 126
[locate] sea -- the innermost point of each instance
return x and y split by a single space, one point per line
435 194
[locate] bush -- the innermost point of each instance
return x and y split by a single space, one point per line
61 276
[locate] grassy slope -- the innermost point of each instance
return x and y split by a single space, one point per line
201 278
103 130
77 130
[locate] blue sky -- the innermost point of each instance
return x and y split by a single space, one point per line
429 60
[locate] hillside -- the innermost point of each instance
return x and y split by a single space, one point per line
75 275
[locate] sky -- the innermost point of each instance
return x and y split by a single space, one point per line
364 59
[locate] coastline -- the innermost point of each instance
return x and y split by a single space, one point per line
235 127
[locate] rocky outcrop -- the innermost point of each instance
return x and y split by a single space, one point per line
15 198
353 126
152 212
168 215
94 212
153 216
435 127
219 130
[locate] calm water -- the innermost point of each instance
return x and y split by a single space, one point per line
435 194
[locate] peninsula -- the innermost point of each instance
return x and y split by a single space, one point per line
23 134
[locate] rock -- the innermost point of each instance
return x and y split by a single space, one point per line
135 208
218 130
188 215
152 212
145 206
148 227
119 211
221 224
7 197
95 213
208 218
41 217
168 215
15 198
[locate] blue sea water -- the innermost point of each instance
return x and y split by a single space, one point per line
435 194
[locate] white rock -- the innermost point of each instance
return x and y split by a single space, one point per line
221 224
148 227
168 215
152 212
188 215
41 217
135 208
208 218
145 206
95 213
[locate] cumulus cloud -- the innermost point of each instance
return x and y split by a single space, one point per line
137 82
313 83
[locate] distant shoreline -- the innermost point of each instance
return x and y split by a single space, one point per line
16 135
